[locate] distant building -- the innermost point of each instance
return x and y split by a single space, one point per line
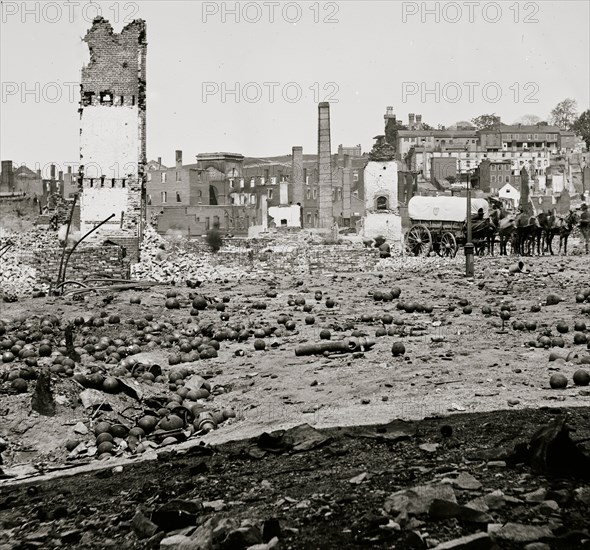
494 175
509 194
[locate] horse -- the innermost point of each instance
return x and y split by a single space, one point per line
526 231
562 226
483 233
506 230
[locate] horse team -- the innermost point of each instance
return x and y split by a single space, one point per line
525 234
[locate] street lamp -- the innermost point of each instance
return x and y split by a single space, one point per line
469 248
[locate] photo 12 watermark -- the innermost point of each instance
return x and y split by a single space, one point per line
470 12
268 92
270 12
40 92
470 92
68 11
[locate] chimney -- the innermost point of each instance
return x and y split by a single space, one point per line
347 187
52 172
60 176
324 166
38 173
419 122
69 169
411 121
7 182
178 160
159 161
297 175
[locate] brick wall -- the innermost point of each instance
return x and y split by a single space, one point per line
85 260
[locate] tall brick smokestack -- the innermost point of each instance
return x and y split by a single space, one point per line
347 187
7 183
178 160
297 171
324 167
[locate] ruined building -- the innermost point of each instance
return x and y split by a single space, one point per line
246 196
113 134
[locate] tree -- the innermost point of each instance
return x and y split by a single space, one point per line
530 120
462 125
391 129
564 114
426 126
581 127
485 122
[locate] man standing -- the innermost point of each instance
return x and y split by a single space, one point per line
585 226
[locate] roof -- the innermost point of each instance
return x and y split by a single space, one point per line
437 133
521 128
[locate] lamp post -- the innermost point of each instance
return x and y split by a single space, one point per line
469 270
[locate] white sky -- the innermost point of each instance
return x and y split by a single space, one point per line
363 58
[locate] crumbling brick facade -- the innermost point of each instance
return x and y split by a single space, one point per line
113 134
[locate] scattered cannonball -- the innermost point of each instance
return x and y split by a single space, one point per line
398 349
581 377
558 342
552 300
535 308
259 345
45 350
7 357
105 447
172 303
136 432
381 331
562 327
580 326
330 303
467 310
119 430
580 338
114 320
71 444
101 427
19 384
387 319
504 315
171 422
102 437
200 303
325 334
111 385
135 300
558 381
486 310
309 320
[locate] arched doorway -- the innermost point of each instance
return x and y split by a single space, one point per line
381 203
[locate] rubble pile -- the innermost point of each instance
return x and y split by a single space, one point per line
17 276
167 260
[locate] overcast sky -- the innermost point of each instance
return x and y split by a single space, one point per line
451 61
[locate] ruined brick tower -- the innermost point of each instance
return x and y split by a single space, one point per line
324 167
113 134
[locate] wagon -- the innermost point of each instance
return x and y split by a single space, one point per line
438 224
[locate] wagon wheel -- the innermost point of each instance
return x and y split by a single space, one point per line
419 240
448 246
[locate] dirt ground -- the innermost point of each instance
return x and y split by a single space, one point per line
477 367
